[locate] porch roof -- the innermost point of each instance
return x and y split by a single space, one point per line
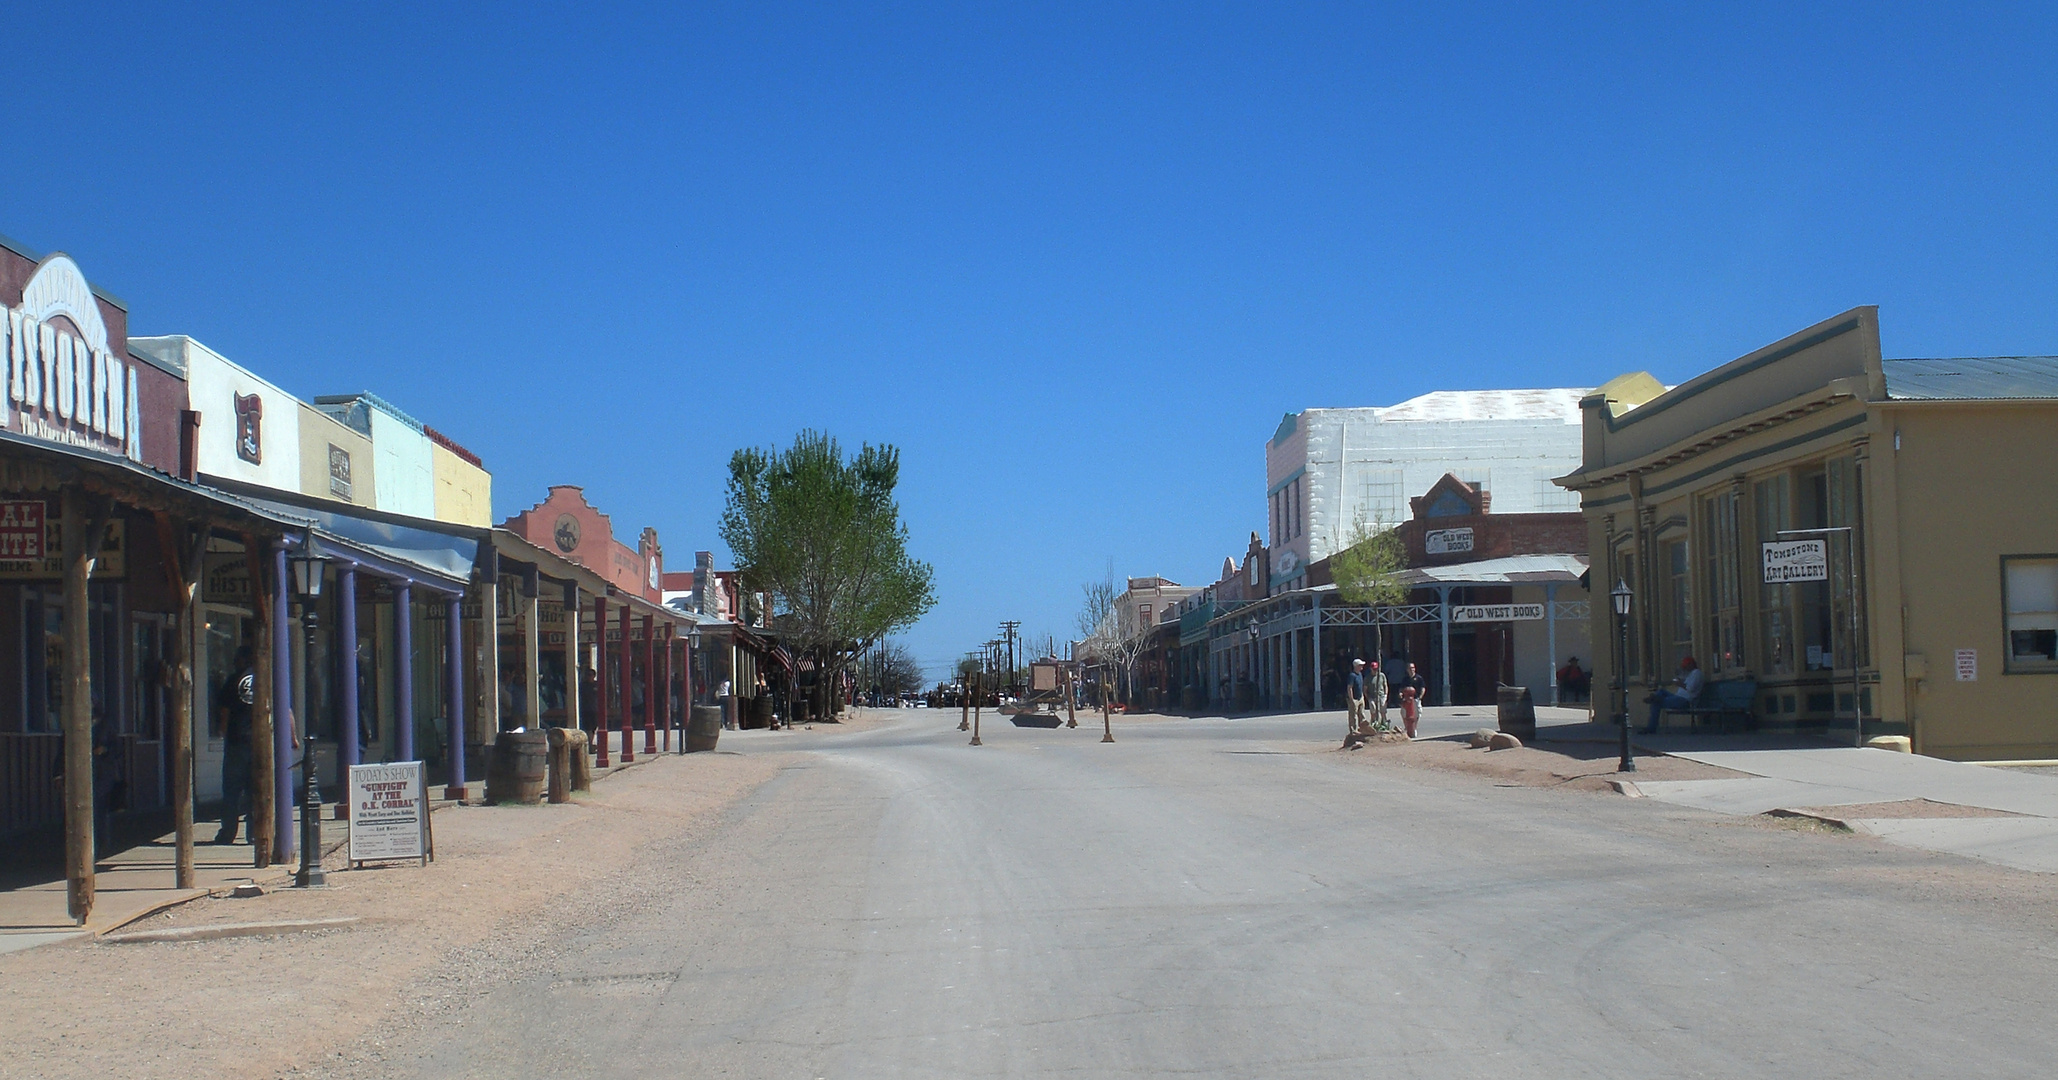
1509 570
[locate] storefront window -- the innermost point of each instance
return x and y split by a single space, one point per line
1775 602
2030 595
1679 620
1725 601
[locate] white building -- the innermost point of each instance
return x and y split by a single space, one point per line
1328 469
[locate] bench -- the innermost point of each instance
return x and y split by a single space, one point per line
1730 697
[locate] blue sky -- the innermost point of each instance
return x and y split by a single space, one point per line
1074 261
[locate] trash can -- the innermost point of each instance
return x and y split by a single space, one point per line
516 769
1517 712
704 729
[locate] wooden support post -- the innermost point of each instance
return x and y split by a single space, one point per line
285 740
572 606
600 750
627 690
262 792
650 685
185 552
84 521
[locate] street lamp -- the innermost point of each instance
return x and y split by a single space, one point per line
1620 597
307 569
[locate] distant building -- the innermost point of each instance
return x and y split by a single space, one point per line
1327 469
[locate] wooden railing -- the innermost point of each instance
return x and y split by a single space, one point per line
30 795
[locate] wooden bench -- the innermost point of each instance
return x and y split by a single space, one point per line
1730 697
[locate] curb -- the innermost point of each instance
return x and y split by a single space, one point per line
1627 787
229 930
1832 822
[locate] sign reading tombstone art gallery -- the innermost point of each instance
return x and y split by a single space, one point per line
65 382
1796 560
389 812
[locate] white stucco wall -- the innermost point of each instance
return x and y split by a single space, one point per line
405 464
1512 440
212 385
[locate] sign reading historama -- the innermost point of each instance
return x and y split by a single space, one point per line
64 384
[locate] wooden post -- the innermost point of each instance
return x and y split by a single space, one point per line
262 791
80 536
978 687
1107 716
600 750
184 562
1071 685
665 685
628 701
650 685
572 604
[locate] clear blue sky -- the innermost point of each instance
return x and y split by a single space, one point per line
1075 262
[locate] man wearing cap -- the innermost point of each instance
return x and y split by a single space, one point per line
1375 698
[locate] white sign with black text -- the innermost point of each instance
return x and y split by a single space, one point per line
1968 665
1796 560
1497 613
389 812
1447 541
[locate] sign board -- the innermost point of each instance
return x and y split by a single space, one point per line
1968 665
1043 676
1497 612
24 556
389 812
1447 541
1796 560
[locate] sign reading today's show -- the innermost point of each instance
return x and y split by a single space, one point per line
1796 560
389 812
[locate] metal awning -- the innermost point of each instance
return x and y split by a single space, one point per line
426 557
1511 570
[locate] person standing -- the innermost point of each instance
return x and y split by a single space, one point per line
1412 687
234 702
1375 698
1354 699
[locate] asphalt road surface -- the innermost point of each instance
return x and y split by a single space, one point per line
1228 899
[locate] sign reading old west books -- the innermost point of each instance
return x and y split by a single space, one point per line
1497 612
1447 541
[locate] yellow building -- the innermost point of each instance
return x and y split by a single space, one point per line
1812 518
335 461
464 489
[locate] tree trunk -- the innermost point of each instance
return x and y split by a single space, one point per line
184 559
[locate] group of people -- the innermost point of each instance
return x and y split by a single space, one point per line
1368 691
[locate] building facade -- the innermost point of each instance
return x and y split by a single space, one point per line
1850 534
1328 471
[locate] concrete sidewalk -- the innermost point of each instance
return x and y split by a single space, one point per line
1829 777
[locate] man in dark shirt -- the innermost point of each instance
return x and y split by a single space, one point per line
235 700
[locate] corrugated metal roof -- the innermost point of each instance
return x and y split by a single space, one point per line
1507 570
1972 378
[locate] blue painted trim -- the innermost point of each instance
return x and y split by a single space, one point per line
1290 478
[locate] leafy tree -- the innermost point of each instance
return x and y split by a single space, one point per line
1364 571
823 536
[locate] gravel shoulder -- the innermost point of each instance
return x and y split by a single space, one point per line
1581 766
505 879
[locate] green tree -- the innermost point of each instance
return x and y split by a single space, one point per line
1365 570
823 535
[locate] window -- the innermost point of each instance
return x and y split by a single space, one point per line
1552 499
1679 618
1725 600
1775 603
1381 498
2030 596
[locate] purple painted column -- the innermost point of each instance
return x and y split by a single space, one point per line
403 674
454 614
346 643
285 836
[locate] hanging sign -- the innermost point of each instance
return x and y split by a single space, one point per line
389 812
32 544
1447 541
1796 560
1497 613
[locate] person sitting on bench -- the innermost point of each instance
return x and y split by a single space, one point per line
1689 681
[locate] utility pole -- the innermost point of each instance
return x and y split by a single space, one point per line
1007 630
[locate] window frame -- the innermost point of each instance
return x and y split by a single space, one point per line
2009 664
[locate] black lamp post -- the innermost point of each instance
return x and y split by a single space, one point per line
307 581
1620 597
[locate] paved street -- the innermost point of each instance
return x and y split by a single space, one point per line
1228 898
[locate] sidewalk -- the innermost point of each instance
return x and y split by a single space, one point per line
1979 811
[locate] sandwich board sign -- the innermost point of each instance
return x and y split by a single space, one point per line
389 813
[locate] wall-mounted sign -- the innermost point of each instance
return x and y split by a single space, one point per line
389 812
227 579
47 563
65 383
1285 563
1447 541
1497 612
1796 560
1968 665
250 428
339 472
566 533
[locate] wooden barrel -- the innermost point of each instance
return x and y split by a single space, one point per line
705 728
516 772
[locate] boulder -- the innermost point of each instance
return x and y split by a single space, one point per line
1482 737
1501 740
